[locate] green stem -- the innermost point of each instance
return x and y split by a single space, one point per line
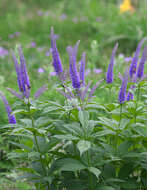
136 105
110 94
120 116
117 132
37 145
90 175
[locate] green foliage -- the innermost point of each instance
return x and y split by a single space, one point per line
72 144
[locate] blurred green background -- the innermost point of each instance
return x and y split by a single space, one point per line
98 24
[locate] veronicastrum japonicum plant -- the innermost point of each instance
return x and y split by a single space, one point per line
83 144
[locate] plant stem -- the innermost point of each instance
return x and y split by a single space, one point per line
120 116
110 95
37 145
90 175
136 105
117 132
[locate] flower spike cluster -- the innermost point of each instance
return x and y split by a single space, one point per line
12 119
22 75
82 69
122 92
55 54
130 96
133 66
140 70
72 51
109 75
23 78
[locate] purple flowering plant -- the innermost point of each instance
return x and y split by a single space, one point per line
81 143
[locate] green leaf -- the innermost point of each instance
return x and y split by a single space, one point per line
109 171
22 146
51 144
124 123
124 148
27 122
95 171
66 137
42 121
104 187
68 164
140 129
103 133
125 170
83 146
34 155
22 111
28 170
130 184
73 128
109 123
50 109
72 184
84 118
15 155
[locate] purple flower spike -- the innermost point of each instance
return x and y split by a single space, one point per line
140 70
94 88
69 91
133 65
130 96
120 76
109 75
82 69
15 93
72 51
84 92
17 68
55 54
64 94
25 77
122 92
88 71
40 91
11 117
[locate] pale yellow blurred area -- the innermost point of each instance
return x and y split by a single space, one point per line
126 6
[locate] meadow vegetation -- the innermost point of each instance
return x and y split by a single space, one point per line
77 118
